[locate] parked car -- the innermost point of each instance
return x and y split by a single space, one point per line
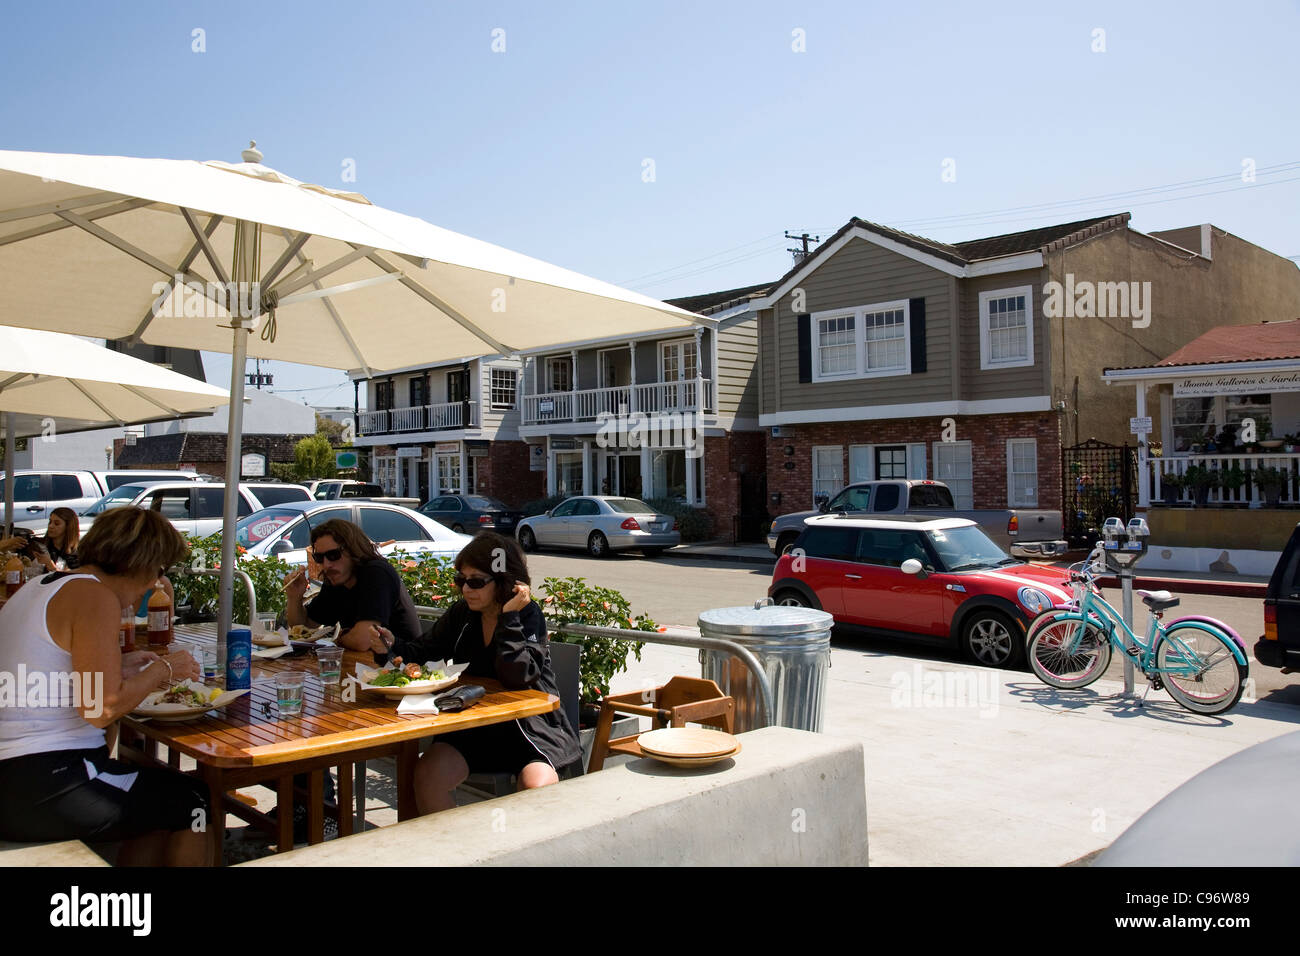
472 512
285 530
37 493
1280 644
939 580
1025 533
333 489
195 508
600 524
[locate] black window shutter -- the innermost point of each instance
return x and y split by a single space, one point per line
916 312
805 347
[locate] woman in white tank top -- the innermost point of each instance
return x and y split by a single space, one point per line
68 681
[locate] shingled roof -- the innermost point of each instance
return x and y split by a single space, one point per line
717 301
1044 239
1240 343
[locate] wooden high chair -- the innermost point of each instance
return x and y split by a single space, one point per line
694 699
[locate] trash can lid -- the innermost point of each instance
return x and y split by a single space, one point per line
769 620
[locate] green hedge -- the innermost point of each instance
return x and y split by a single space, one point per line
693 523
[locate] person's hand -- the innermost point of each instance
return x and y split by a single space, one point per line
184 667
381 639
295 584
520 600
133 662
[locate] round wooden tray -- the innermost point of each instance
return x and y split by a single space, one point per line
687 742
694 761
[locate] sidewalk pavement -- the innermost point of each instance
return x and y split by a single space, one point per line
968 766
1179 582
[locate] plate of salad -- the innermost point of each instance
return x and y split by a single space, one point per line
185 701
398 678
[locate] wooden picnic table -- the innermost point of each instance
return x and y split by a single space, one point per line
248 743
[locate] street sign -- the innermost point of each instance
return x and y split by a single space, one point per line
1140 426
345 459
253 465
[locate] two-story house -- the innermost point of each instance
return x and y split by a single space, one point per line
885 354
658 415
449 428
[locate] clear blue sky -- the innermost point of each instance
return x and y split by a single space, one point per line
541 147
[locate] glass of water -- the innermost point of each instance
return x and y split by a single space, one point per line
330 660
288 692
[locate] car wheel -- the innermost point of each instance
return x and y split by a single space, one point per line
784 542
458 528
990 639
597 545
790 599
526 539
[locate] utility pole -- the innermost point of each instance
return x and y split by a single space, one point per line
257 379
801 254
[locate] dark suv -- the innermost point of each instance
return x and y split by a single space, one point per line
1280 645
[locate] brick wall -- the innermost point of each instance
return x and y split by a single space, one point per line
505 474
725 460
988 435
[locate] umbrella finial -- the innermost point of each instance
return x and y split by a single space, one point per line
252 154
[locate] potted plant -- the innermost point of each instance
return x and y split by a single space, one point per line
1231 479
1289 442
1199 480
1270 442
1270 482
1171 487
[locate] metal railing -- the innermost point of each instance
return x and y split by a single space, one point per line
252 606
742 654
588 404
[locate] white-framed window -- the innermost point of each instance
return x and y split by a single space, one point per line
837 345
503 387
1007 327
828 470
952 466
862 342
448 474
678 360
559 373
1022 473
863 462
385 473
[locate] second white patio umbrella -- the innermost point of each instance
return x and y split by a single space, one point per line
179 253
52 383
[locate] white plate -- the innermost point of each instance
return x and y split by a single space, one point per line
366 674
152 707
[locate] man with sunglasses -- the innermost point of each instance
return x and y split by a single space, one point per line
362 591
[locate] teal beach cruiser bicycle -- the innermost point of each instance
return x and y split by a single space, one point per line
1196 659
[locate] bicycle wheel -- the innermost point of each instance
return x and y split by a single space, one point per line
1199 669
1063 658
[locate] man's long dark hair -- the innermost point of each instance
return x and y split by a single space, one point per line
350 538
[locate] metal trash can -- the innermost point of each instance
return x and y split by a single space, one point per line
794 646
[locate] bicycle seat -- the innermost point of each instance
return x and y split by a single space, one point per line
1158 600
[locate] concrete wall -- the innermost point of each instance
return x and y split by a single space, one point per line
790 798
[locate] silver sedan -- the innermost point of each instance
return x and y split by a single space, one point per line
600 524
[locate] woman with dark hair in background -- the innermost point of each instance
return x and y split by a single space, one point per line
499 629
62 535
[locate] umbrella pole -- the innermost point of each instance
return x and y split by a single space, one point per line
234 433
9 475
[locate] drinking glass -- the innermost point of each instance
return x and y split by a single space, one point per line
330 661
288 692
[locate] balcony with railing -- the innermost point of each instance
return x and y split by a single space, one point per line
1232 479
592 404
419 418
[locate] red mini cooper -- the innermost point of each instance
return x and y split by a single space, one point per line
941 580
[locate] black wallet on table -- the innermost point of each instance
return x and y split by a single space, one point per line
460 698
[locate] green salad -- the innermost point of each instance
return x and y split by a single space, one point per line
399 675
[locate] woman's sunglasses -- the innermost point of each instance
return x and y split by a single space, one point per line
320 557
475 583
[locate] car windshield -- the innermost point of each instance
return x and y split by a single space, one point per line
261 525
630 506
122 495
479 503
968 548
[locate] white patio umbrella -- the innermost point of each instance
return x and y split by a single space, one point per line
48 379
93 245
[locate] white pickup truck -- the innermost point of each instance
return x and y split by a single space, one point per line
1024 533
37 493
